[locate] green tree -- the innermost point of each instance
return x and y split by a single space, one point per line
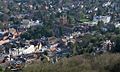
100 23
71 19
1 70
1 26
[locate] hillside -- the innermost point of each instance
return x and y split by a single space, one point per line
86 63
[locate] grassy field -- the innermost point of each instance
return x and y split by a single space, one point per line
85 63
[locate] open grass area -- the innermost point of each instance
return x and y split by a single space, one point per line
85 20
86 63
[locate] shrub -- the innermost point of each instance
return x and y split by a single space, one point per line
85 63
